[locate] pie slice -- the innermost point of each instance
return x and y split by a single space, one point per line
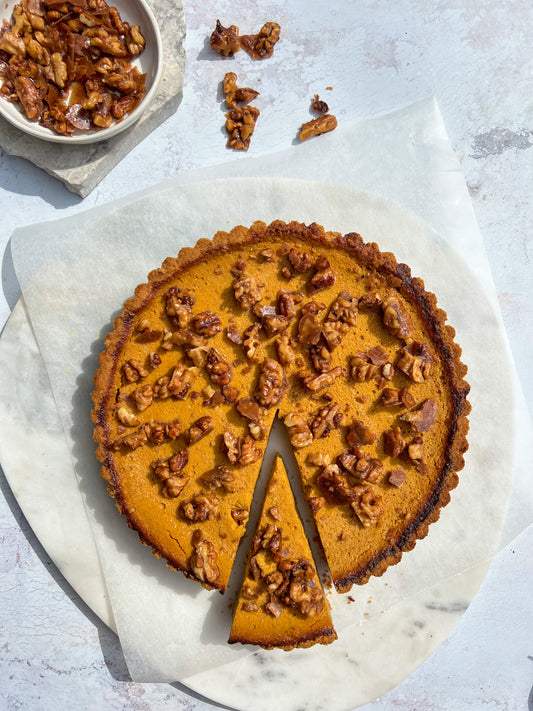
281 602
327 331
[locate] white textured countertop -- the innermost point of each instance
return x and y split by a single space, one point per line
475 58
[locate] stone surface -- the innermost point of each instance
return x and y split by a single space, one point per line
475 58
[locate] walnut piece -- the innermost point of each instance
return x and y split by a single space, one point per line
143 397
396 318
249 452
181 381
240 515
237 95
207 324
309 329
240 125
261 45
178 306
251 341
393 442
225 40
286 354
397 477
200 508
317 126
390 397
323 278
272 383
344 309
316 383
326 419
299 433
231 445
133 371
220 478
127 417
218 369
424 417
247 290
367 507
358 434
199 429
203 561
300 261
415 361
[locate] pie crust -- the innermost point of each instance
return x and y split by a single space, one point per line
327 331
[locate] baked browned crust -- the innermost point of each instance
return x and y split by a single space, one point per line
326 635
396 274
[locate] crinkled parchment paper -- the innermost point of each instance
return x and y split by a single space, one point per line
76 273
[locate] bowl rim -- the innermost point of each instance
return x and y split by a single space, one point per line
35 130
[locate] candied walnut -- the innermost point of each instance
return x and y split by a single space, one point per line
220 478
326 419
319 106
273 609
154 360
240 515
159 432
207 324
235 94
316 503
199 429
181 381
231 446
200 508
269 538
133 371
317 126
333 484
324 380
323 277
367 507
174 485
247 290
358 434
415 452
396 318
240 125
143 397
299 261
361 368
250 606
303 593
198 355
147 334
219 370
387 371
424 417
373 473
127 417
415 361
232 332
286 354
274 512
161 391
272 383
299 433
230 394
274 324
132 441
344 309
164 468
268 254
397 477
333 332
320 357
178 306
393 442
203 561
313 307
261 45
249 452
309 329
318 459
390 397
356 463
287 301
249 409
377 355
225 40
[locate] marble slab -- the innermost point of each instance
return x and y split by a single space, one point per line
81 168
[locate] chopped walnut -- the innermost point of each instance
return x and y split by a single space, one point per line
231 446
274 512
127 417
143 397
240 515
326 419
132 440
318 459
344 309
203 560
225 40
358 434
159 432
424 417
324 380
232 332
356 463
251 341
219 370
299 433
361 368
320 357
199 429
273 609
274 324
147 334
333 332
240 125
237 95
164 468
220 478
249 409
309 329
154 359
415 361
268 254
181 381
317 126
287 301
316 503
415 452
133 371
178 306
377 355
367 507
300 261
174 485
249 452
261 45
200 508
333 484
396 318
272 383
207 324
286 354
397 477
250 606
323 277
247 290
393 442
390 397
161 391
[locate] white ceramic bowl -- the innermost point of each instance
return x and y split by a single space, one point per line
149 62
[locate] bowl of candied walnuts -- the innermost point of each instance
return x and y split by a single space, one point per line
77 71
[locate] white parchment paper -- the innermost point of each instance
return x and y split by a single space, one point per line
76 273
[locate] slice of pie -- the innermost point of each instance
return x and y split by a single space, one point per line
281 602
327 331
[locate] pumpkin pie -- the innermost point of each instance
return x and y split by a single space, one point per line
321 329
281 602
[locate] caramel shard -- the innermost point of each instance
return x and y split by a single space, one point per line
318 126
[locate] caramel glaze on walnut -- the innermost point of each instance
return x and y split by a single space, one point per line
376 410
